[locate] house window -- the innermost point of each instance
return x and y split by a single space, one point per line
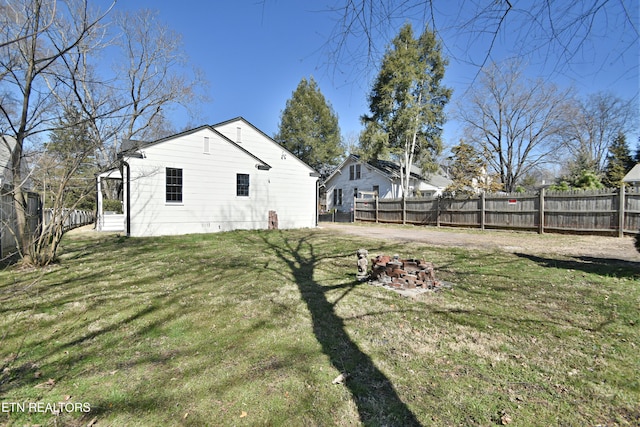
354 172
242 184
174 185
376 189
337 197
355 192
207 146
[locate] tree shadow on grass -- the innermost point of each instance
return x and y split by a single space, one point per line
601 266
373 393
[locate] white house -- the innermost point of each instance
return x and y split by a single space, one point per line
633 176
354 176
7 147
215 178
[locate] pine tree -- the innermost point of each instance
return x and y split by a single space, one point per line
619 162
69 164
407 104
309 128
469 172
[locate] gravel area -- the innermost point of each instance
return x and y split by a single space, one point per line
602 247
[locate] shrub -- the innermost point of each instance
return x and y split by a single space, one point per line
112 205
637 242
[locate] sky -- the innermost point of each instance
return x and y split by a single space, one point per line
255 52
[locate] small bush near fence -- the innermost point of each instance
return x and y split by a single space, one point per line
112 205
601 211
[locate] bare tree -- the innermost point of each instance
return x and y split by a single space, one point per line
48 54
557 34
154 75
513 122
593 125
35 42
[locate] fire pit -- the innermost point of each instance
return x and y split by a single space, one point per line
414 275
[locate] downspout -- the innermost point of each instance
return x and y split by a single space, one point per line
127 202
99 190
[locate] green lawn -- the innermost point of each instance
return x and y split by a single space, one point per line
250 328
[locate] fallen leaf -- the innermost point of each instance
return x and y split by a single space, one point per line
243 414
92 422
506 419
67 398
340 378
185 416
49 383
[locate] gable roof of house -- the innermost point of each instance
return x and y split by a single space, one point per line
392 171
130 147
270 139
633 175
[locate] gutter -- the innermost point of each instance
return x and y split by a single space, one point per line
128 198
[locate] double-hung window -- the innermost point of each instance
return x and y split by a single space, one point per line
174 185
337 197
354 172
242 184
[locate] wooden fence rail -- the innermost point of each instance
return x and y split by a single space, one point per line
609 211
35 216
70 218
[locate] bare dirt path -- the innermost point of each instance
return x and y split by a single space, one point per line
603 247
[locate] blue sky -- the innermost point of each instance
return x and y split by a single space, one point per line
254 53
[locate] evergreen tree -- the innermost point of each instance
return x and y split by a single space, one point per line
469 172
619 162
309 128
69 164
407 104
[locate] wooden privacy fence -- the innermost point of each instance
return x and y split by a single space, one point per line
8 221
335 216
36 216
610 211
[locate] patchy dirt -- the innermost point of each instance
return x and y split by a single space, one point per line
603 247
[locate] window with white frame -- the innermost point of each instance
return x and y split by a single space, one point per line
337 197
242 184
354 172
173 189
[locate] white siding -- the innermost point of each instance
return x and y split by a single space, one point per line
369 178
292 191
209 200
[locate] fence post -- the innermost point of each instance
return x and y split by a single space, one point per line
541 212
404 209
621 203
438 211
376 196
482 209
354 209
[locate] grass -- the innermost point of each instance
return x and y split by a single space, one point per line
250 328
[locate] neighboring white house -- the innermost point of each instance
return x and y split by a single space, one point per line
215 178
7 145
633 176
380 176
